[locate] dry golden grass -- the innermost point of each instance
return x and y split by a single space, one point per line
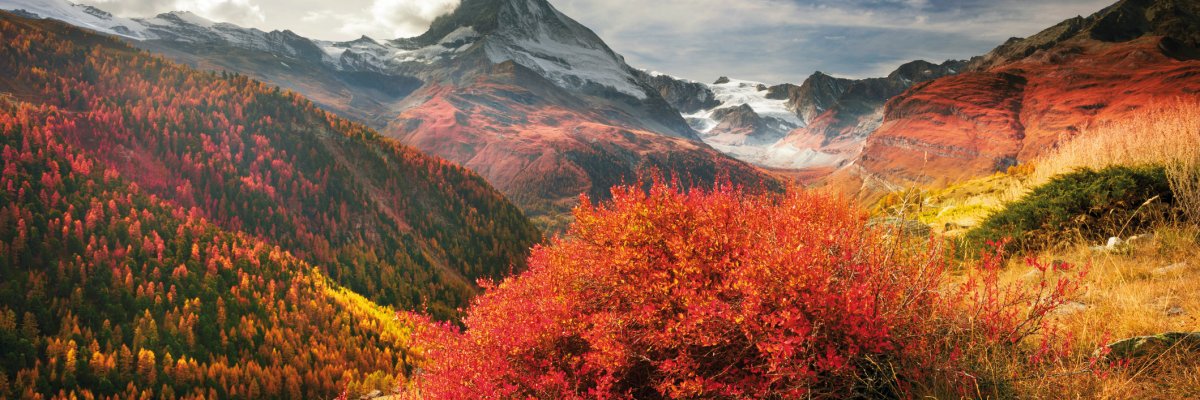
1184 176
1167 134
955 208
1146 289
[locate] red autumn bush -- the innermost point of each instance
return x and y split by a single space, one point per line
669 293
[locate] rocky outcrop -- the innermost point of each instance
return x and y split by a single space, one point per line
740 120
1177 21
856 112
686 96
1132 19
1151 346
782 92
817 94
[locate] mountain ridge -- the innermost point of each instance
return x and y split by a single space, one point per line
1029 94
821 123
126 272
1122 21
403 88
396 225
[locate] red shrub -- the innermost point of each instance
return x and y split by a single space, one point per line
674 294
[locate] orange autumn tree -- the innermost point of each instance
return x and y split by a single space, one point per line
669 293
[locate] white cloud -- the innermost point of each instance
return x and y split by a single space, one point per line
241 12
384 19
405 18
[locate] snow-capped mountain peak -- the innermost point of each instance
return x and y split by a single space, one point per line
535 35
531 33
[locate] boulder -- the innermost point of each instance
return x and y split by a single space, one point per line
1114 243
1152 346
1170 268
1140 240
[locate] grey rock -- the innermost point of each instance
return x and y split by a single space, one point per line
25 14
1170 268
1150 346
1113 244
1178 21
744 120
857 106
686 96
1140 240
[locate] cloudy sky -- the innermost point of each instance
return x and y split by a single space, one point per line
767 40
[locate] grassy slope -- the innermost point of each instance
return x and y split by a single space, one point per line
1142 289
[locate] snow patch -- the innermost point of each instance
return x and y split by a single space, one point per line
457 41
771 153
531 34
656 74
331 50
737 92
193 19
540 38
568 64
82 16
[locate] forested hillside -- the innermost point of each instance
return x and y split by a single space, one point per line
400 227
108 289
166 233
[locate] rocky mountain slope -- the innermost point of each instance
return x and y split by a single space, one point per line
512 89
1029 94
818 93
686 96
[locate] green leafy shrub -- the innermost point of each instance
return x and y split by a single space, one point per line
1083 205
